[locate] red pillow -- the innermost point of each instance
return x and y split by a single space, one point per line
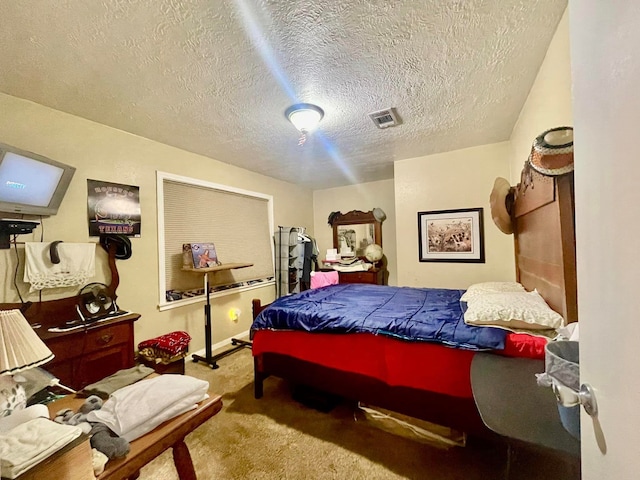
524 345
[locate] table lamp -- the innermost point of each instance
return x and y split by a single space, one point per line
20 350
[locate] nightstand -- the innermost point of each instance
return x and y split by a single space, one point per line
86 355
375 276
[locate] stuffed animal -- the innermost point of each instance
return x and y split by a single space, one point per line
69 417
106 441
103 438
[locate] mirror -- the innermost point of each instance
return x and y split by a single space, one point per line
353 231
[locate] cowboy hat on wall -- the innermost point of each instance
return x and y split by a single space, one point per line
501 200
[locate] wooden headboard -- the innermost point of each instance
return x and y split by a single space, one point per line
543 217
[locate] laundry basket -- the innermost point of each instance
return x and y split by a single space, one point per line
562 373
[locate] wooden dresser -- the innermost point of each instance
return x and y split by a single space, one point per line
87 354
84 356
375 276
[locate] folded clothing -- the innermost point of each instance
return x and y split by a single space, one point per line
166 346
105 387
137 409
21 416
322 279
31 442
156 356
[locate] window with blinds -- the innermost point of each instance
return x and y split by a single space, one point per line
238 222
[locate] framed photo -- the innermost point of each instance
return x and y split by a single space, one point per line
451 236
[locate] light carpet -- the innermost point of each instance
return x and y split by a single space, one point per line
278 438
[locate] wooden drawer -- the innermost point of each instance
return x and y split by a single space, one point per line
81 343
375 277
108 336
357 277
100 364
83 357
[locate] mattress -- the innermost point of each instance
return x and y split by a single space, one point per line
416 314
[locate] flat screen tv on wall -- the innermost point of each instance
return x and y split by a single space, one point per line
31 184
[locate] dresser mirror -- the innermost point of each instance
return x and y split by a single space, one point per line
354 231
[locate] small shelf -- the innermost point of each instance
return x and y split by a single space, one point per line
217 268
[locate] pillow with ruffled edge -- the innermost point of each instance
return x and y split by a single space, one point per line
513 310
478 289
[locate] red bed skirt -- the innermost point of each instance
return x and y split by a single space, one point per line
419 365
422 366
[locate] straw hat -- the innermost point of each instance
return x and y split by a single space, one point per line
500 200
552 152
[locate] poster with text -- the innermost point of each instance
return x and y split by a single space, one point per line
113 208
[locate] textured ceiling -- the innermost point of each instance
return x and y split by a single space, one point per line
215 77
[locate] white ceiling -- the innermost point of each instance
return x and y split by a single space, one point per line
215 77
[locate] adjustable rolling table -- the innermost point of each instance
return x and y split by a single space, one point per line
237 344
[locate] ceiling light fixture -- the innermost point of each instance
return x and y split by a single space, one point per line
305 117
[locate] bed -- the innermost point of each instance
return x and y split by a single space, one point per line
425 378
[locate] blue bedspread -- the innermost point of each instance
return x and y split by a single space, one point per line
417 314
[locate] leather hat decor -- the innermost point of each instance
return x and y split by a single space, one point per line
501 199
122 243
552 152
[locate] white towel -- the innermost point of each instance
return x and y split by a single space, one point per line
31 442
19 417
77 265
137 409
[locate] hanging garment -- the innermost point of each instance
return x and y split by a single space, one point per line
77 265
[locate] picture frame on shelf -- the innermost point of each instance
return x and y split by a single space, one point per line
451 236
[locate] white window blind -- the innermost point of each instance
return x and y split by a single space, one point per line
237 222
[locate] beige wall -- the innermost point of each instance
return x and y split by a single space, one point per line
364 197
549 102
459 179
103 153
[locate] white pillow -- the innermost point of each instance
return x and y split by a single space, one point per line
478 289
513 310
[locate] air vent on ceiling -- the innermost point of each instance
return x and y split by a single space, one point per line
385 118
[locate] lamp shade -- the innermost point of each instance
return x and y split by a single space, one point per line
20 346
304 116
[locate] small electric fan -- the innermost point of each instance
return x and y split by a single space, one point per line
95 301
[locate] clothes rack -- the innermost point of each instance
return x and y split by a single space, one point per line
295 253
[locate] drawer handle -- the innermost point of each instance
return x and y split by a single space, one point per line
106 338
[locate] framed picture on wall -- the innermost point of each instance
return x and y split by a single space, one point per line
451 236
113 208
